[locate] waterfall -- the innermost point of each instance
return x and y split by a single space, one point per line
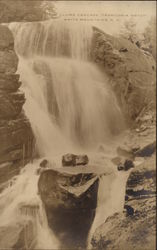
53 38
68 100
20 205
71 107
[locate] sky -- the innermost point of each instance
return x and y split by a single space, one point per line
100 12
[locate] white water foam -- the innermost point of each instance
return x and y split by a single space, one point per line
71 108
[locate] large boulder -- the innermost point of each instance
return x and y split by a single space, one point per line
74 160
126 165
6 39
131 72
146 151
70 200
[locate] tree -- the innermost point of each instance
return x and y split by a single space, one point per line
129 32
149 36
25 10
49 9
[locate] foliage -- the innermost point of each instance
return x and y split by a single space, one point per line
128 31
48 9
25 10
149 35
145 40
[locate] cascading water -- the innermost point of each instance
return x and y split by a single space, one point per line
73 103
71 108
20 204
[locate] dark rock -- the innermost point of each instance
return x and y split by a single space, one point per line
120 167
131 75
138 44
69 199
44 163
142 181
73 160
147 151
128 164
81 160
139 193
125 166
123 50
135 149
129 210
126 197
69 160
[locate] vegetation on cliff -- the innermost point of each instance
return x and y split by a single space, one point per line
26 10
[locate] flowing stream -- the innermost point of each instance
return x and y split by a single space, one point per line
71 108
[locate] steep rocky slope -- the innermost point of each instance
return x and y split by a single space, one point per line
131 72
15 132
16 137
135 227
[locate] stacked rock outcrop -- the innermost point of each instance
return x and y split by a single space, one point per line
16 136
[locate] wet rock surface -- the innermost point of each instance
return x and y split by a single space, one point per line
131 72
70 201
126 165
74 160
135 227
16 136
146 151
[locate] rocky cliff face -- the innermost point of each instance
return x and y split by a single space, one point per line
70 200
135 227
131 72
15 132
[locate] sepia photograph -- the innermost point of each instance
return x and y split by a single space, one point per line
77 125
